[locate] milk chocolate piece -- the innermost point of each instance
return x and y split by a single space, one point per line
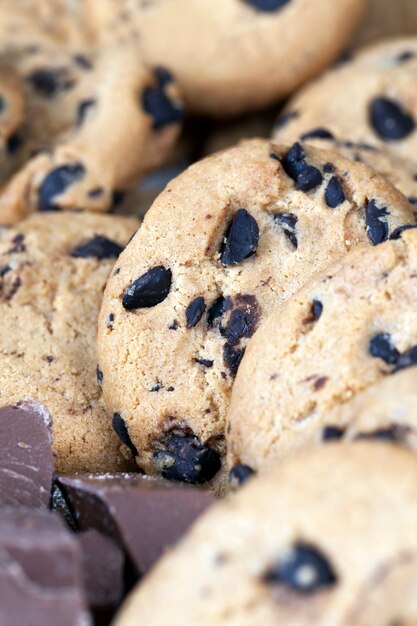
144 515
26 462
40 571
102 571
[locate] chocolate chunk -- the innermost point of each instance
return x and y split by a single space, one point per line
143 515
49 82
288 223
304 569
40 571
376 227
389 120
242 323
56 182
218 309
18 244
98 247
268 5
241 239
102 573
381 347
195 311
99 375
205 362
395 433
14 142
84 108
26 461
232 357
284 119
239 474
396 234
157 103
317 133
148 290
332 433
306 177
317 309
185 459
405 56
334 195
407 359
82 61
120 428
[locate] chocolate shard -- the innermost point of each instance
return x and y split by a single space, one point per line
102 572
26 461
40 571
143 515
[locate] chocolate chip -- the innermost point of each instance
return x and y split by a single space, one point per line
288 223
120 428
377 229
218 309
18 244
110 320
381 347
163 76
158 105
317 309
56 182
205 362
98 247
334 195
241 239
304 569
268 5
148 290
116 200
232 357
407 359
194 311
97 192
241 324
14 142
239 474
396 234
82 61
100 375
412 199
405 56
389 120
284 119
83 109
156 388
185 459
3 104
306 177
48 82
317 133
332 433
395 433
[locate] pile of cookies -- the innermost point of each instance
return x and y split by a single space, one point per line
249 336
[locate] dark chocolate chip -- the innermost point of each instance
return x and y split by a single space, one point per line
309 178
317 309
56 182
4 269
158 105
48 82
204 362
317 133
82 61
185 459
156 388
163 76
396 234
83 109
232 357
332 433
304 569
381 347
376 227
407 359
98 247
412 199
395 433
110 320
405 56
389 120
306 177
334 195
148 290
288 223
3 104
120 428
97 192
284 119
18 244
268 5
241 239
239 474
14 142
218 309
117 199
194 311
99 374
241 324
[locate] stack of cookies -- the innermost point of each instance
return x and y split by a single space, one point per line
249 336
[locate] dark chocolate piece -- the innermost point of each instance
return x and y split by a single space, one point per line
148 290
26 462
143 515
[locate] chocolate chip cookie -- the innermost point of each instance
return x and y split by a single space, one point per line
234 235
326 538
244 55
349 328
53 269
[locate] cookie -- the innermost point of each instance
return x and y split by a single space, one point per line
244 55
309 541
231 237
371 99
349 328
53 269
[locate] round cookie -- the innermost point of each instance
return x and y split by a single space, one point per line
228 239
244 55
53 270
371 99
309 541
347 329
